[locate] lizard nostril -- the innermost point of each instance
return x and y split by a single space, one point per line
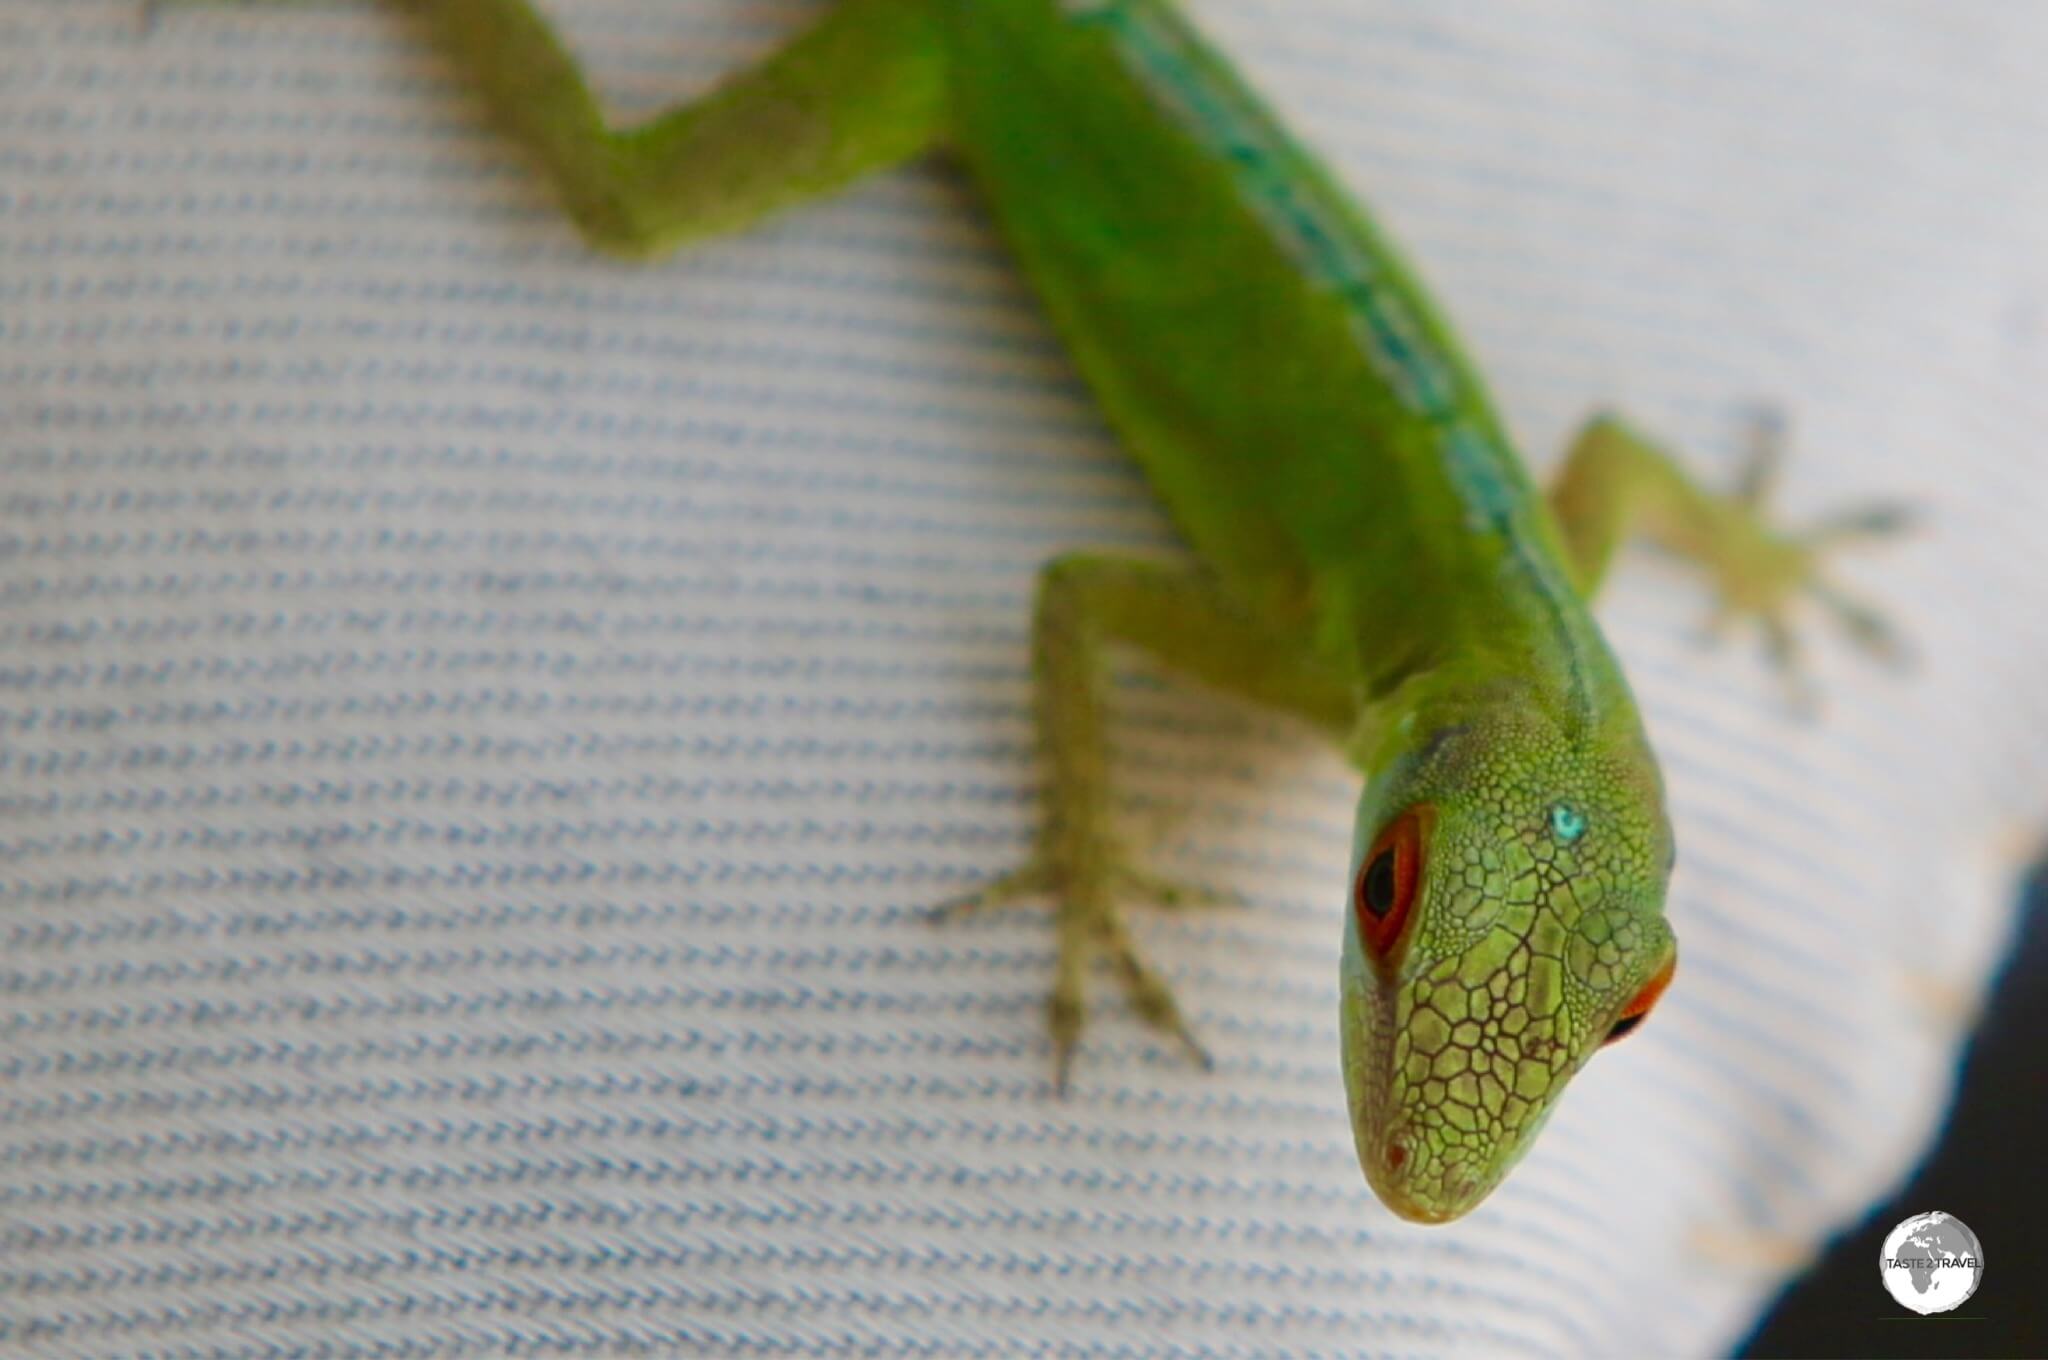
1397 1153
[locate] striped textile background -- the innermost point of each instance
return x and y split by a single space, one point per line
478 722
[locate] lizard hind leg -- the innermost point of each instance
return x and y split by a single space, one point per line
1079 861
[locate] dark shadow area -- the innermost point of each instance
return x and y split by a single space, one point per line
1990 1169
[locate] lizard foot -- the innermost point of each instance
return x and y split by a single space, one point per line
1761 570
1085 885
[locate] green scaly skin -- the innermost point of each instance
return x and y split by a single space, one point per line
1370 552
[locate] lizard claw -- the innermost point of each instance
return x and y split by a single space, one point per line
1863 625
1882 519
1758 480
1029 881
1781 649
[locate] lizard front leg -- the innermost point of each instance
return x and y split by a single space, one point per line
860 90
1615 480
1178 616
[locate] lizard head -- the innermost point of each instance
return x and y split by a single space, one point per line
1506 921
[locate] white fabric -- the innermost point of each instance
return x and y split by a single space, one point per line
480 721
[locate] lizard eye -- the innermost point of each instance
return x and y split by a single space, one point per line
1638 1010
1388 880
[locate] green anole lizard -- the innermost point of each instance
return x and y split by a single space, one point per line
1371 554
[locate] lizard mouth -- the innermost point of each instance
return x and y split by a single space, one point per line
1416 1192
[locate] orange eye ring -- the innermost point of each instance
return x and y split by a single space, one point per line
1638 1009
1389 880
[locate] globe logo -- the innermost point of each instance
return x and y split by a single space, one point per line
1931 1262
